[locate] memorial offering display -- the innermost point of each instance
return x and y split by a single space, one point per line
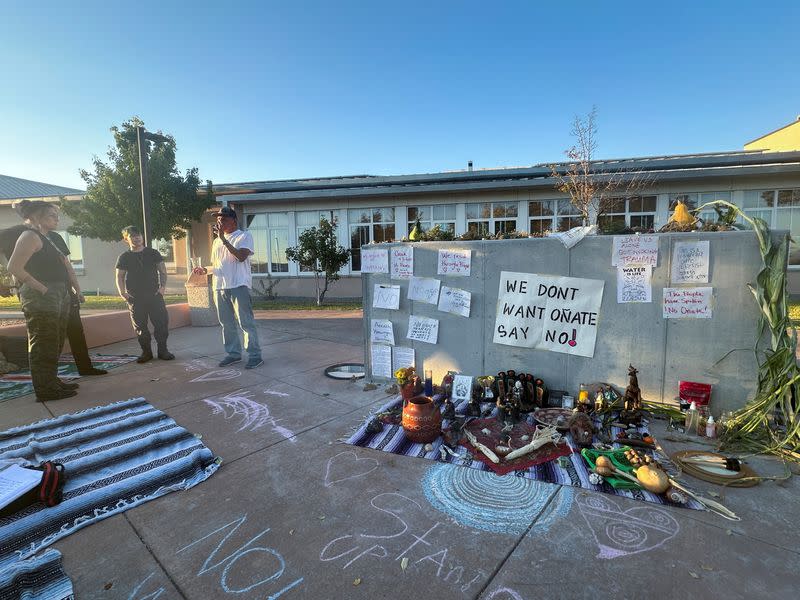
569 314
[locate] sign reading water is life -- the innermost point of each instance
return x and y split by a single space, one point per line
549 313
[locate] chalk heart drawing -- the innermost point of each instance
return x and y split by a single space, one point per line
621 533
347 465
218 375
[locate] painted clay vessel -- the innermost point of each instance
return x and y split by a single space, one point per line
422 421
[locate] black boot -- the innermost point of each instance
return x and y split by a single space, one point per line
165 354
145 356
67 385
92 371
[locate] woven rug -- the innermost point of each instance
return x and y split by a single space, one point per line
37 578
18 383
116 457
573 471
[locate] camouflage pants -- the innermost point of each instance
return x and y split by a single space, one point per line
46 316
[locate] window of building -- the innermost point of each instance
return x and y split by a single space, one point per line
270 233
781 210
443 215
541 213
306 220
495 217
637 212
75 245
368 225
568 216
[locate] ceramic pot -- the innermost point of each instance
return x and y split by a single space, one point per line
422 421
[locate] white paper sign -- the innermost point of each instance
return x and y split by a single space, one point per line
381 361
462 388
374 260
402 357
382 332
423 329
687 303
455 301
634 283
424 289
386 296
402 262
634 250
690 262
549 313
454 262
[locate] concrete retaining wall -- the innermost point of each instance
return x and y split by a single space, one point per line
717 351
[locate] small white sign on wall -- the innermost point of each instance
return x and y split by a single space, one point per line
455 301
386 296
423 329
424 289
687 303
382 332
374 260
402 259
690 262
454 262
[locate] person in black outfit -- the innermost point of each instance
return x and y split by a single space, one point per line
75 335
141 281
41 270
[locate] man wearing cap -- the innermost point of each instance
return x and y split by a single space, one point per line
141 281
230 265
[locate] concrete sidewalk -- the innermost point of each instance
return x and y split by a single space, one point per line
294 514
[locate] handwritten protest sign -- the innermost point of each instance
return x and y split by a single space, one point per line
374 260
690 262
382 332
423 329
386 296
687 303
402 357
381 361
454 262
634 283
634 250
549 313
455 301
402 266
424 289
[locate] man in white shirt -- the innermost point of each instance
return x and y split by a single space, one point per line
230 265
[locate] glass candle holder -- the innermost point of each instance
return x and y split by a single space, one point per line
428 382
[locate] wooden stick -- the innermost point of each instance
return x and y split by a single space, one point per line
712 506
486 452
540 438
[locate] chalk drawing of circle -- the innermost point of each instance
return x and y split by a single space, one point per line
626 535
500 504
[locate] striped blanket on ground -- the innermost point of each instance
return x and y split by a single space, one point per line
18 383
37 578
574 472
115 456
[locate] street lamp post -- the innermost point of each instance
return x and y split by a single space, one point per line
142 137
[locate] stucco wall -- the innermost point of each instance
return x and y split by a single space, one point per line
664 350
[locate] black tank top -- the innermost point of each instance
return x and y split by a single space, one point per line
47 264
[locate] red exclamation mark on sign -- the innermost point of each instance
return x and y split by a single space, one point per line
573 342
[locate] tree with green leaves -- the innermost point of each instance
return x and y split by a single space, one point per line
319 250
113 197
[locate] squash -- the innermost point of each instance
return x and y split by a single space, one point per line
652 479
681 215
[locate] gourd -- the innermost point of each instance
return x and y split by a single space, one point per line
681 215
652 479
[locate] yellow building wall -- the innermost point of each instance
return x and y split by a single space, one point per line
785 139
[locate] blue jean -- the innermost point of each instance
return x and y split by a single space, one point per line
234 311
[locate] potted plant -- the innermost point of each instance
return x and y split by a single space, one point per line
408 382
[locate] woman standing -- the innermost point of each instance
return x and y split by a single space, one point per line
44 279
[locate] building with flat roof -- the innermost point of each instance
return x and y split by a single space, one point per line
381 208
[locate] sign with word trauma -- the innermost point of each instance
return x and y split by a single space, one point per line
548 313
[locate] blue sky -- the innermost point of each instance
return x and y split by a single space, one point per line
270 90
